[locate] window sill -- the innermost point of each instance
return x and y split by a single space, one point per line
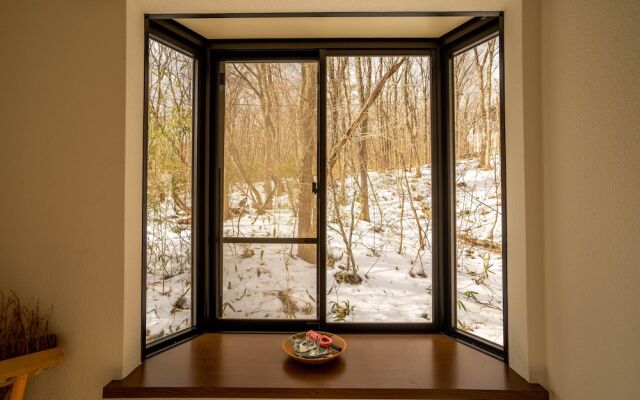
386 366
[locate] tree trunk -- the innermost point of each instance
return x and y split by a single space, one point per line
410 122
333 95
335 151
364 130
427 110
306 199
345 78
269 131
226 210
235 158
483 161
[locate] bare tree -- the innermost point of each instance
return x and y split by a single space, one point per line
363 79
306 198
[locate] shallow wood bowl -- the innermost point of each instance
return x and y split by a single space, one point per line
288 348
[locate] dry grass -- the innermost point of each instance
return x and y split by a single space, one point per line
24 328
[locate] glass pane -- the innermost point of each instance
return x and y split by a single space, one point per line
169 188
478 192
267 281
379 225
270 135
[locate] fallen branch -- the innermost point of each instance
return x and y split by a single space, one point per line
482 243
333 156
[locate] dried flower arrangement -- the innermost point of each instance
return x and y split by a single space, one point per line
24 329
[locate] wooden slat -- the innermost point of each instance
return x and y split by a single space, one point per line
28 365
373 367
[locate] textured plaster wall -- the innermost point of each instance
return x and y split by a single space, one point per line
62 116
591 163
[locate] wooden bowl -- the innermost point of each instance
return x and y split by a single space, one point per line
288 348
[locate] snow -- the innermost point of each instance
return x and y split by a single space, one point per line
269 281
479 271
396 284
168 294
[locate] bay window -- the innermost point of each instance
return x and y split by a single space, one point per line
345 185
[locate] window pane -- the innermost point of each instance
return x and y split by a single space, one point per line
379 226
169 188
270 149
267 281
478 194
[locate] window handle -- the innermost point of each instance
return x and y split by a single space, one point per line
314 187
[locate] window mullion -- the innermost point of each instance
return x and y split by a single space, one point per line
322 188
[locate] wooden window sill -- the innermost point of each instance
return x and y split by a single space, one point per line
389 366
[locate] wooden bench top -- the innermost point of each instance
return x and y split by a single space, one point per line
389 366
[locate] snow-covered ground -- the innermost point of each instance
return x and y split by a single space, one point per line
479 264
168 272
396 283
267 281
270 281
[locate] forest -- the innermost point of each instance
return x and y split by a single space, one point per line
378 190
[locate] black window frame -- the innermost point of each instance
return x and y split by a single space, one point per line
308 50
464 40
207 55
186 45
254 55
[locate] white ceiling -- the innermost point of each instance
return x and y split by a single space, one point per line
322 27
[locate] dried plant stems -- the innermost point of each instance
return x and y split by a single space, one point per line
24 328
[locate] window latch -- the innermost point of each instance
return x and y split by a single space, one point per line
314 187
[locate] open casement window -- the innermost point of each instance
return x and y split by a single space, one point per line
326 184
170 233
477 182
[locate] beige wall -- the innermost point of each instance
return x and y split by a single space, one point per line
62 71
71 118
591 147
